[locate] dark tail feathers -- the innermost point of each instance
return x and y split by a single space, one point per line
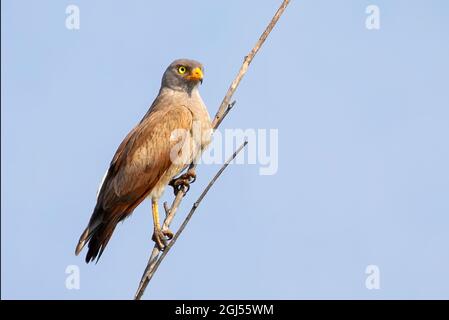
96 235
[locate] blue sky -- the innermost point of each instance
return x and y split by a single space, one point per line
363 123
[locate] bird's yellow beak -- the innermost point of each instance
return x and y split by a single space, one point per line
196 74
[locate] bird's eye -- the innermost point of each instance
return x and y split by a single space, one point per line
182 70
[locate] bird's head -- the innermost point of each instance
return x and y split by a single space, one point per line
183 74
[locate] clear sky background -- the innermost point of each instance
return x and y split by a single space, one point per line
363 120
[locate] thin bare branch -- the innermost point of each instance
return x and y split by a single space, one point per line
230 106
166 209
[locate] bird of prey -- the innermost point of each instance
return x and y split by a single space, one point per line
169 137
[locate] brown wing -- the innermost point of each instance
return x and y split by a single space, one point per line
140 160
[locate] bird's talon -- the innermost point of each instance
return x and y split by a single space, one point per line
180 184
159 239
183 181
168 233
190 175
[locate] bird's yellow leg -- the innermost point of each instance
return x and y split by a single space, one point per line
158 237
159 234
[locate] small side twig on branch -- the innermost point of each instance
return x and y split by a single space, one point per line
155 258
